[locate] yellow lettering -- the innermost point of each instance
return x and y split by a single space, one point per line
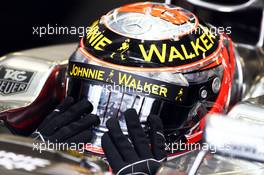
153 48
72 71
197 47
79 72
147 87
92 73
100 75
122 79
163 91
155 89
93 34
96 40
205 42
133 83
102 43
187 56
85 72
174 53
188 51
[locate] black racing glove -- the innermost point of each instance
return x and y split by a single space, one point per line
69 123
139 155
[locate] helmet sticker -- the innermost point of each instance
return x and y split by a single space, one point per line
127 82
195 50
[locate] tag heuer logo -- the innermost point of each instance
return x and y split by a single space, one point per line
14 80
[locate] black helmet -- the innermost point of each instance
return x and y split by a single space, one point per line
158 59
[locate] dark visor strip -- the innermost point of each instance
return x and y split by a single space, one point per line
128 82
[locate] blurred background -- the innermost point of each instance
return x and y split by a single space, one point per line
19 17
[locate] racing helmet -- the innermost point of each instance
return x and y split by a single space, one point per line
158 59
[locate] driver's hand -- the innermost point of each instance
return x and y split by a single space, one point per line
69 123
137 153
